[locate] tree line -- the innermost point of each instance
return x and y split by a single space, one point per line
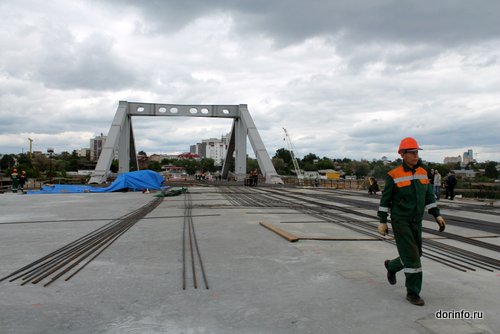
283 163
59 164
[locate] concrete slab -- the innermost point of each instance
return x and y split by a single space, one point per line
259 282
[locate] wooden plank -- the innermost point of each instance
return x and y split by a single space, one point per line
282 233
342 239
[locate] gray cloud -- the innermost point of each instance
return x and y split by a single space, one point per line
444 22
89 64
346 78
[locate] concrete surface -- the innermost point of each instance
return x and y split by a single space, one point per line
259 282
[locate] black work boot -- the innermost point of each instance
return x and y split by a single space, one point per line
415 299
391 275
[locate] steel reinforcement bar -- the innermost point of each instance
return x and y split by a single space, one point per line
79 253
466 259
189 238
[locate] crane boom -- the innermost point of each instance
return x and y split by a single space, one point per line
291 148
31 148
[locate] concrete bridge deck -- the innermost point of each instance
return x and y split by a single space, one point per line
258 281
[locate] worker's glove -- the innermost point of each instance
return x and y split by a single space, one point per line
383 229
441 223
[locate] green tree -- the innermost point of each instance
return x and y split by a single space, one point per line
283 154
41 162
24 159
310 158
7 161
442 169
24 163
73 161
380 171
347 169
65 156
490 170
360 168
280 166
325 163
309 166
166 161
208 165
191 165
252 164
60 165
155 166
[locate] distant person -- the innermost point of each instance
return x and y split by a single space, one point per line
445 186
15 180
452 183
407 193
437 184
254 178
22 180
430 176
373 187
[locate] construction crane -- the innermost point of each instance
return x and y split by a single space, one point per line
291 148
31 148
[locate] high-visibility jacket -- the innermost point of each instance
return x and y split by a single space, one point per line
15 181
407 194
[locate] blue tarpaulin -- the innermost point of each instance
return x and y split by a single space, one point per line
140 180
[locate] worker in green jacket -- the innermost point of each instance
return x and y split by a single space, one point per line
14 177
407 194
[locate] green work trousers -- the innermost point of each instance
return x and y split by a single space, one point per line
15 183
408 237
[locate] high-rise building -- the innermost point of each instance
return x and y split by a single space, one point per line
213 148
96 145
468 157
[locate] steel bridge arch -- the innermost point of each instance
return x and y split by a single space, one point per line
121 137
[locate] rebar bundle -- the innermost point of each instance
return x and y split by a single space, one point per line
78 254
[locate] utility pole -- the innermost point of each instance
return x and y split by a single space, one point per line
31 148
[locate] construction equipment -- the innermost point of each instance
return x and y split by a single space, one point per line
291 148
31 148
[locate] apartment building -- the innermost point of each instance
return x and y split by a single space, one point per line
213 148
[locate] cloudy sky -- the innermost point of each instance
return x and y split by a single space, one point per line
346 78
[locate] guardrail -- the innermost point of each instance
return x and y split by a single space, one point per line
335 184
480 190
5 184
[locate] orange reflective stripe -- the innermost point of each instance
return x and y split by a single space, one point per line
421 174
400 177
396 172
403 184
403 178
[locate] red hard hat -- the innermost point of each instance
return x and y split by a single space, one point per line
408 143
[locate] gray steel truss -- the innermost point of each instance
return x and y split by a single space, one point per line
121 138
